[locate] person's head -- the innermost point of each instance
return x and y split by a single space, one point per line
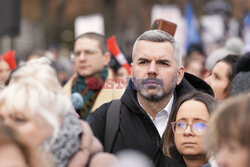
4 71
36 54
196 51
33 109
221 76
39 69
15 151
7 64
228 135
194 66
156 65
90 54
187 125
241 81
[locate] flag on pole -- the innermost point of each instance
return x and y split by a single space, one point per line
193 35
116 52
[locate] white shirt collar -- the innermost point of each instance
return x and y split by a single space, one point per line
161 118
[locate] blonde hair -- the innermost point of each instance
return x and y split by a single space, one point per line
29 95
41 70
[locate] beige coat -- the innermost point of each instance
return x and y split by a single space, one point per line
105 95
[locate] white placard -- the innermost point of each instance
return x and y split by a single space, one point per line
89 23
212 28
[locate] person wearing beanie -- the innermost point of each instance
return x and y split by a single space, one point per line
7 64
241 81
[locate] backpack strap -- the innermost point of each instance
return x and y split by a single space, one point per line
112 124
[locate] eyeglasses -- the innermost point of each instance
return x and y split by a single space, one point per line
198 128
86 53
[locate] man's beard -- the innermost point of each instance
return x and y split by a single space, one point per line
161 94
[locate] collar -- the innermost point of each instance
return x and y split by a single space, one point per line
165 112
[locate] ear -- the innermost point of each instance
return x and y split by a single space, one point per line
131 67
180 74
107 57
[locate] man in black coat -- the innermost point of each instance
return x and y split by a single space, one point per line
157 82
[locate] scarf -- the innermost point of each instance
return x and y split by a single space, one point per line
67 142
89 88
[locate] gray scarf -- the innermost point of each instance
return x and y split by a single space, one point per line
67 142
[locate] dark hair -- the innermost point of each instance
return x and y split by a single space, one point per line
100 38
241 81
169 148
230 60
195 47
242 65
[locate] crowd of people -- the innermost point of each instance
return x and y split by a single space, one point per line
166 112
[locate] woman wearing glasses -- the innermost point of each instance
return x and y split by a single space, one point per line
186 126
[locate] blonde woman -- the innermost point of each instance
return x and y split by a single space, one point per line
34 105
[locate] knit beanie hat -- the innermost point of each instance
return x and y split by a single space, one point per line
241 81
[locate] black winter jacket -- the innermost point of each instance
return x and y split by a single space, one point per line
136 129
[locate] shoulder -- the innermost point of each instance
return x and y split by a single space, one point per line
191 83
97 121
100 112
68 86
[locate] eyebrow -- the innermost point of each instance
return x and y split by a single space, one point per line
158 61
143 59
163 61
195 119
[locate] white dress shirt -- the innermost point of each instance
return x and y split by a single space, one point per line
161 118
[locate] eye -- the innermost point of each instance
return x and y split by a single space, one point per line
142 62
164 63
89 52
232 147
199 127
181 125
77 53
19 119
216 77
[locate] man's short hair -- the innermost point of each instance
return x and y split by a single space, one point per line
160 36
92 35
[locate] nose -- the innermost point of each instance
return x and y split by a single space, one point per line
208 80
221 158
82 56
188 130
152 68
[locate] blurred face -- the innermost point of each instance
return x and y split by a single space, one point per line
232 154
11 156
89 58
194 114
122 73
33 128
218 80
196 68
4 71
155 69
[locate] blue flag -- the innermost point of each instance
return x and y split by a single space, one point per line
193 35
